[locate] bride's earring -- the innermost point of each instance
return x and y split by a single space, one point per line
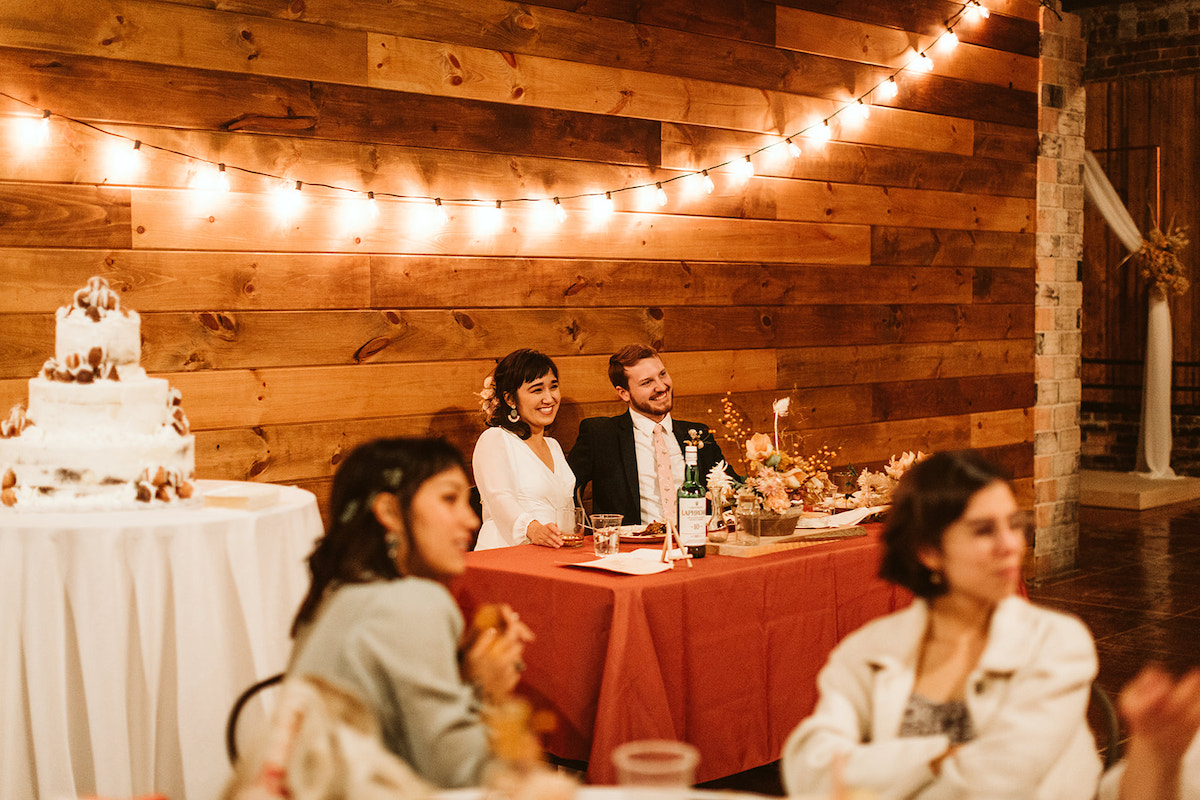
513 415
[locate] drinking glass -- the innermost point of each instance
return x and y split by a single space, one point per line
571 523
606 534
656 762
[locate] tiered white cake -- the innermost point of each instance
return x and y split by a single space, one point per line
98 432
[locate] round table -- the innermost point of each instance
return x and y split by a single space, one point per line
125 637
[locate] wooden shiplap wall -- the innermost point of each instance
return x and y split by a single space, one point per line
884 281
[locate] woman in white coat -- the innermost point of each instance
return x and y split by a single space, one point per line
969 692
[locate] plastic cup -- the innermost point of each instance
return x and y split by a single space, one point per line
656 762
606 534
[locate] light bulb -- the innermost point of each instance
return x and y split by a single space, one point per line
747 167
924 63
124 162
660 193
440 213
793 148
559 211
45 126
949 40
222 181
708 182
288 201
495 216
372 206
888 89
608 205
821 133
864 110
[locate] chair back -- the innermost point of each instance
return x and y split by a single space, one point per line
236 711
1102 715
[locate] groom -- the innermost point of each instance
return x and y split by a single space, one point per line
634 460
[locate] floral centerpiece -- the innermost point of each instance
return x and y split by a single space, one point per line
779 482
868 488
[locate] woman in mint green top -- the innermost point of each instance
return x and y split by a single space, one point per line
379 621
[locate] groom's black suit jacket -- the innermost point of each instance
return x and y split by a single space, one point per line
604 456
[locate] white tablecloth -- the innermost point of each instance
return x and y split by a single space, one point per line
125 636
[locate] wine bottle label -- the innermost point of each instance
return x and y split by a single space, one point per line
692 517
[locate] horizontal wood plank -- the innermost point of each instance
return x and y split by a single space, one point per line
40 281
63 216
693 147
423 281
857 40
945 247
835 365
96 90
169 220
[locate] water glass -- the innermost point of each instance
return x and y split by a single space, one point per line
606 534
571 523
656 762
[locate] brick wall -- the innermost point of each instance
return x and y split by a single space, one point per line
1141 39
1059 295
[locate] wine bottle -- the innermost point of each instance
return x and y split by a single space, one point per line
691 506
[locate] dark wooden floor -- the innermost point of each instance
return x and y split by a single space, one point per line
1137 586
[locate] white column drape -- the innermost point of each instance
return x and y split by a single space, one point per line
1154 435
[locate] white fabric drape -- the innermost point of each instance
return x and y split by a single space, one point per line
1154 436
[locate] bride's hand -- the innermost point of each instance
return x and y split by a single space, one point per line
544 535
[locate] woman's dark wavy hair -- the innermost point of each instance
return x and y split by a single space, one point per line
354 549
931 495
516 368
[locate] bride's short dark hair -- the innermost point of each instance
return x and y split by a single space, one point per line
517 368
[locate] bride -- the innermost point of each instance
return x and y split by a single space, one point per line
524 481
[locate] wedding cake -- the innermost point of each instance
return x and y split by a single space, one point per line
97 432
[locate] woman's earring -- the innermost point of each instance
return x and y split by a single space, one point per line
513 414
936 578
393 546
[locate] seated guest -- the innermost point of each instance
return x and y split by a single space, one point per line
379 622
624 456
525 484
969 692
1162 755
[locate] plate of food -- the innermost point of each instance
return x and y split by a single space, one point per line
654 532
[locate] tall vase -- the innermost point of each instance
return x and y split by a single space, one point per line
1154 436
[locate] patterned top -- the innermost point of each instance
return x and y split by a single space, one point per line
924 717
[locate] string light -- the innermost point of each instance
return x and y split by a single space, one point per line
660 194
288 201
821 133
37 131
495 216
124 162
976 10
745 167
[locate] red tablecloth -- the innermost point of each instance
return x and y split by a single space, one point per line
723 655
